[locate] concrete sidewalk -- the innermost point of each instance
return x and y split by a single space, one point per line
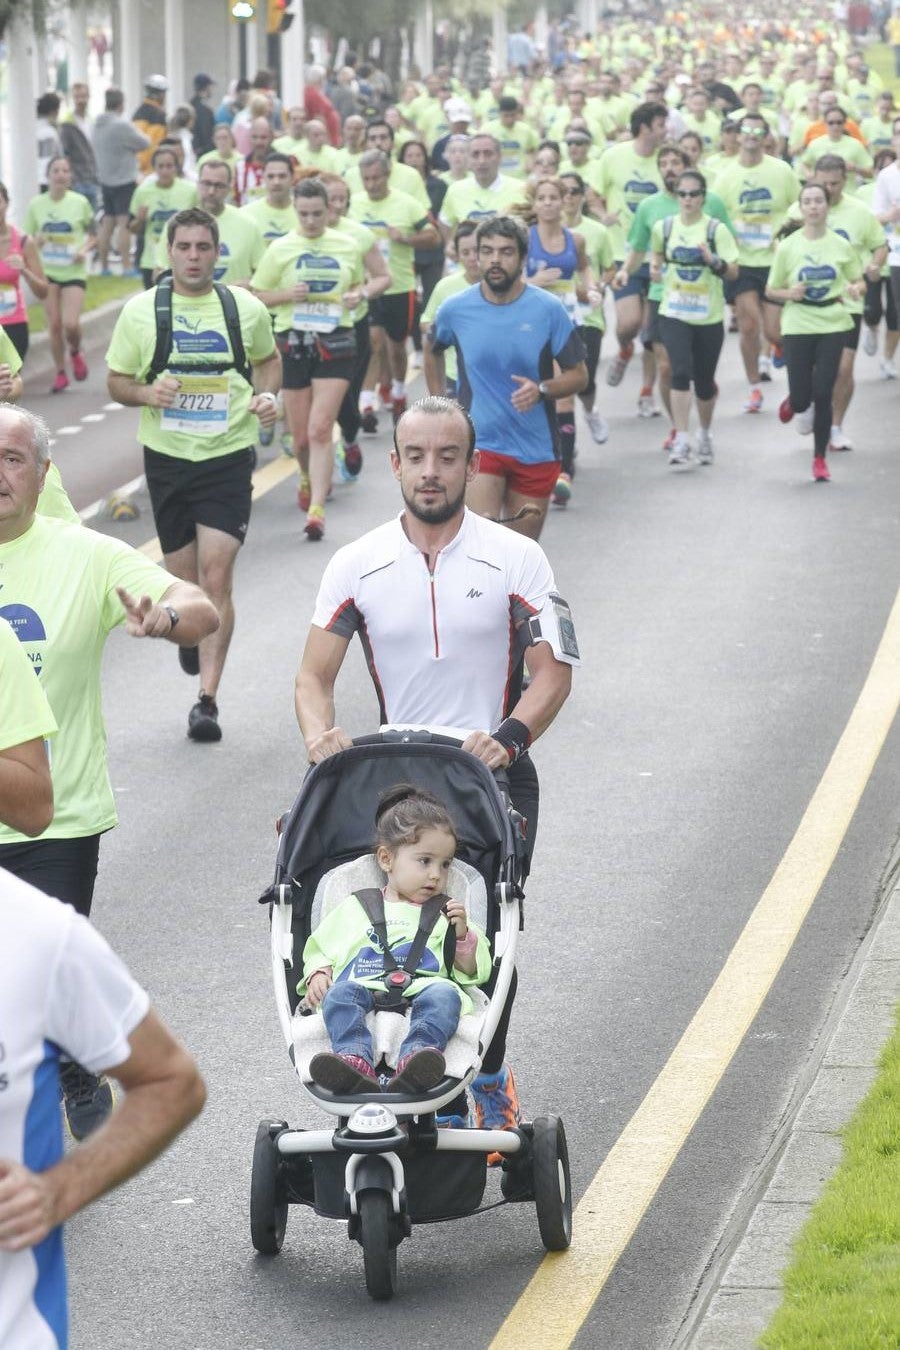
743 1286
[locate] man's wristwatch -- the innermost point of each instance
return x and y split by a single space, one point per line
174 616
542 389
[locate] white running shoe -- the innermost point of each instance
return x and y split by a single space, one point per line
870 341
838 440
646 406
681 450
765 368
888 370
599 428
804 421
705 453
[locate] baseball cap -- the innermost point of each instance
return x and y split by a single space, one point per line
203 81
158 83
457 110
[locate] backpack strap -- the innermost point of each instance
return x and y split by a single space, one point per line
667 224
162 307
398 978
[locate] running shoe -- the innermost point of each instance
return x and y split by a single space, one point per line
888 370
267 435
203 720
754 401
705 453
60 383
368 421
189 660
88 1100
287 444
820 470
79 366
314 529
343 1074
839 441
598 428
495 1104
418 1072
646 406
415 360
398 408
777 356
681 450
563 490
619 365
340 463
805 420
670 440
870 341
304 493
785 411
451 1122
733 323
765 369
353 459
384 394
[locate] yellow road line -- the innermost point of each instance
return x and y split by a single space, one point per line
565 1286
266 478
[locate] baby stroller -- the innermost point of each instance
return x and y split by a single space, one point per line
385 1164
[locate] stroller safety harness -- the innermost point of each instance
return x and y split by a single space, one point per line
397 979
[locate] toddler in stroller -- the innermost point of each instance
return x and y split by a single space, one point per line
411 944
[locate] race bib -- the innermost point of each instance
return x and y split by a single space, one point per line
200 408
316 316
688 303
384 248
9 301
55 253
753 234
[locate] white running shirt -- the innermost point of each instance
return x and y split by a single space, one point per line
441 648
61 986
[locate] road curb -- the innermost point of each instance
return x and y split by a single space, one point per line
743 1285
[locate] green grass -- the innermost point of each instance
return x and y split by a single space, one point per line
842 1289
881 58
98 292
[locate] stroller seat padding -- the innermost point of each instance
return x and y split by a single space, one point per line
388 1030
463 883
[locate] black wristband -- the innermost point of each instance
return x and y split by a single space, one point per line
514 736
717 265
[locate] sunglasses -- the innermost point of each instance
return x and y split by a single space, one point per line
753 131
834 122
572 192
689 192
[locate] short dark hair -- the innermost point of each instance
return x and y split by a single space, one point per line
380 122
438 406
114 100
670 148
462 231
278 157
831 164
192 216
507 227
311 187
645 114
47 104
214 164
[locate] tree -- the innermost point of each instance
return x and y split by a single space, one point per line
30 11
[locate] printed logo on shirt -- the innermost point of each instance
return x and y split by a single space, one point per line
688 261
813 275
755 199
191 341
369 963
29 629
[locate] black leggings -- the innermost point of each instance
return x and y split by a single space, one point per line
812 361
348 417
592 339
880 304
63 868
693 350
429 274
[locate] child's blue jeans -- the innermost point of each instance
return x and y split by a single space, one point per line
433 1018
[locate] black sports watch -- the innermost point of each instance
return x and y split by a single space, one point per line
173 615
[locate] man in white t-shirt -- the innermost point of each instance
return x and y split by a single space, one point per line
886 205
446 604
63 989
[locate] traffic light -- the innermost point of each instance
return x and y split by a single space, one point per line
242 10
279 18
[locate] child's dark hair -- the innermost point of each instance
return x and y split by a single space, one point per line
403 814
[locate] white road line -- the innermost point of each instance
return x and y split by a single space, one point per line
94 417
68 431
112 407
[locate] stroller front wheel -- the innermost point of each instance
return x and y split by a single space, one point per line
379 1253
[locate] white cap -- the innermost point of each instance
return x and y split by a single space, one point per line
457 110
158 83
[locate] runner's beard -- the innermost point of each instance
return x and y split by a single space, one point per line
438 514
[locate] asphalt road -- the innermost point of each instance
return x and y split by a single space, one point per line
727 619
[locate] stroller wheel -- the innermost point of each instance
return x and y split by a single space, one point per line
268 1208
552 1183
379 1253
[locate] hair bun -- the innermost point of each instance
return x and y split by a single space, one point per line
393 796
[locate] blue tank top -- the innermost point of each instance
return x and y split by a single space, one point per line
567 261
